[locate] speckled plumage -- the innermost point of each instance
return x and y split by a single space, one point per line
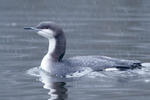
53 63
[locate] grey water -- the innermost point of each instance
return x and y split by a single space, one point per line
115 28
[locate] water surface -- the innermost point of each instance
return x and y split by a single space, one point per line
116 28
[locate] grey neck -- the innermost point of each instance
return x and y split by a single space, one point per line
57 47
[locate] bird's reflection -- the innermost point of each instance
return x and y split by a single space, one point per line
56 87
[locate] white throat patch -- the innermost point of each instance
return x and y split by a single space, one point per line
47 33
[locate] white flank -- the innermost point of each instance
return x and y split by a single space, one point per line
146 64
111 69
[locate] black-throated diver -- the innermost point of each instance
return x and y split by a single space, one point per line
53 63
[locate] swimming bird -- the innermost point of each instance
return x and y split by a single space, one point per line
54 63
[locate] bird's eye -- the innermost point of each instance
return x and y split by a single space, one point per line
45 28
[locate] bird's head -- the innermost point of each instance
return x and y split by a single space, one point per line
47 29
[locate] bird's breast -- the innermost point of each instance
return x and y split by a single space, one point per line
46 63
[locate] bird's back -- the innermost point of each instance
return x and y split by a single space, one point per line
103 62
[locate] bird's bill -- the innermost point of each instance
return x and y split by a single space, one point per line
31 28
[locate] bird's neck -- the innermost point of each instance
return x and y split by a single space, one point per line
56 49
48 59
51 49
52 46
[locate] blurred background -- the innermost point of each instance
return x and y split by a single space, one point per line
116 28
